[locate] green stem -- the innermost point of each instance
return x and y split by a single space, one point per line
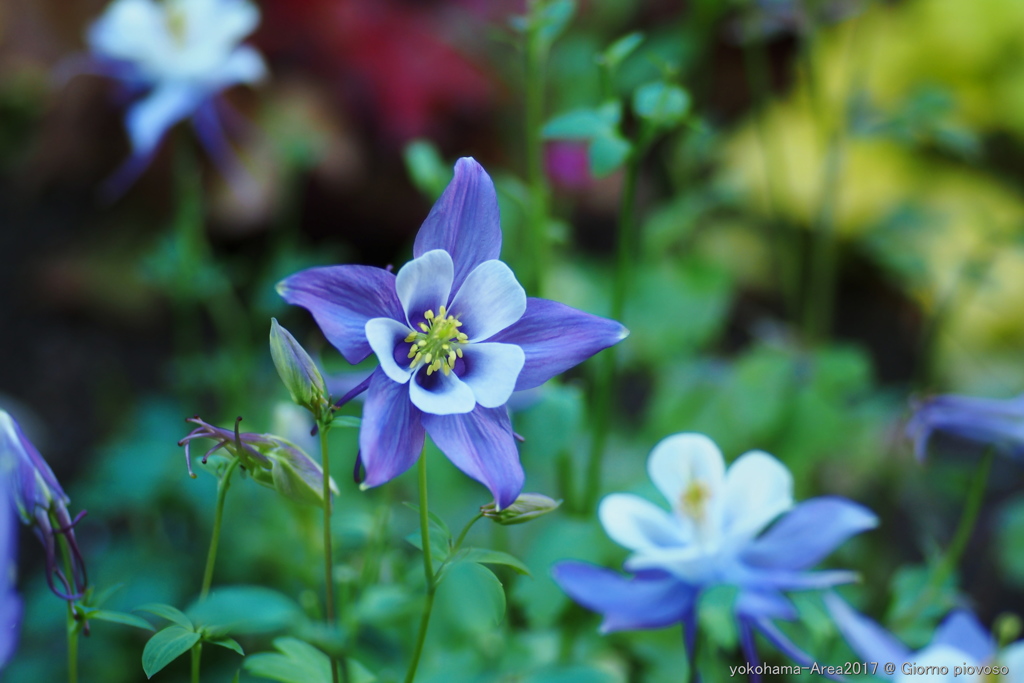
328 552
211 556
73 624
536 55
197 652
465 530
948 564
428 570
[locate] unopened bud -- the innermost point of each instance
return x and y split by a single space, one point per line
297 370
526 507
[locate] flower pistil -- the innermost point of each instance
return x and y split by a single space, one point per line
439 344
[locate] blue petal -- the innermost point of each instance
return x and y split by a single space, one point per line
464 221
391 435
387 339
491 370
765 603
866 638
440 394
782 642
490 300
10 603
425 283
649 600
481 444
556 337
962 631
808 533
151 117
342 299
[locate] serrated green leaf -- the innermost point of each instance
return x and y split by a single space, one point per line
617 52
165 646
245 610
119 618
607 153
485 556
229 643
664 104
168 612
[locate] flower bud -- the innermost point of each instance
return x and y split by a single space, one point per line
526 507
270 460
297 370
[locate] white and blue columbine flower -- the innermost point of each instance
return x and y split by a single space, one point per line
455 335
177 56
713 536
960 647
10 603
994 422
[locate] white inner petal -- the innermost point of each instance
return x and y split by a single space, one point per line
491 370
424 284
442 394
385 336
489 300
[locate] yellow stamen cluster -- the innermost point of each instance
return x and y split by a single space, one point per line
694 500
177 22
439 343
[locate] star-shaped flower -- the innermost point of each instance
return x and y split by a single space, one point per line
455 335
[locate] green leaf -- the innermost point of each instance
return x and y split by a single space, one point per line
119 618
485 556
473 599
553 18
229 643
299 662
717 616
617 52
584 124
664 104
245 610
168 612
440 536
427 170
608 152
166 646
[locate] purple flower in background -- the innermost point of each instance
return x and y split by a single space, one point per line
712 536
41 504
995 422
455 335
177 56
959 641
10 602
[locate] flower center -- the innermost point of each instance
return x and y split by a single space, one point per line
693 500
177 22
438 344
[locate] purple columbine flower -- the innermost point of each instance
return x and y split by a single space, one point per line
42 504
177 56
989 421
712 536
10 602
455 335
960 644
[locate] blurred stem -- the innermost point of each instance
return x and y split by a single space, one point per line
536 56
428 569
465 530
72 625
950 560
325 461
223 484
197 653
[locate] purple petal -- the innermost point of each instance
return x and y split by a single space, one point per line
491 370
764 603
481 444
999 422
749 648
425 283
440 394
650 600
808 533
387 339
962 631
490 300
866 638
556 337
464 221
790 580
782 642
150 118
391 435
342 299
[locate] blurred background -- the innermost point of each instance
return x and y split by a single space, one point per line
835 225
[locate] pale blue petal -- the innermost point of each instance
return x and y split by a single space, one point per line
391 434
651 600
866 638
424 284
786 646
481 444
491 370
440 394
464 221
556 337
489 300
387 339
962 630
764 603
808 533
342 299
640 525
149 118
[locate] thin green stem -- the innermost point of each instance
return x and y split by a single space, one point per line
465 530
428 570
211 556
536 56
951 558
197 653
73 624
325 460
